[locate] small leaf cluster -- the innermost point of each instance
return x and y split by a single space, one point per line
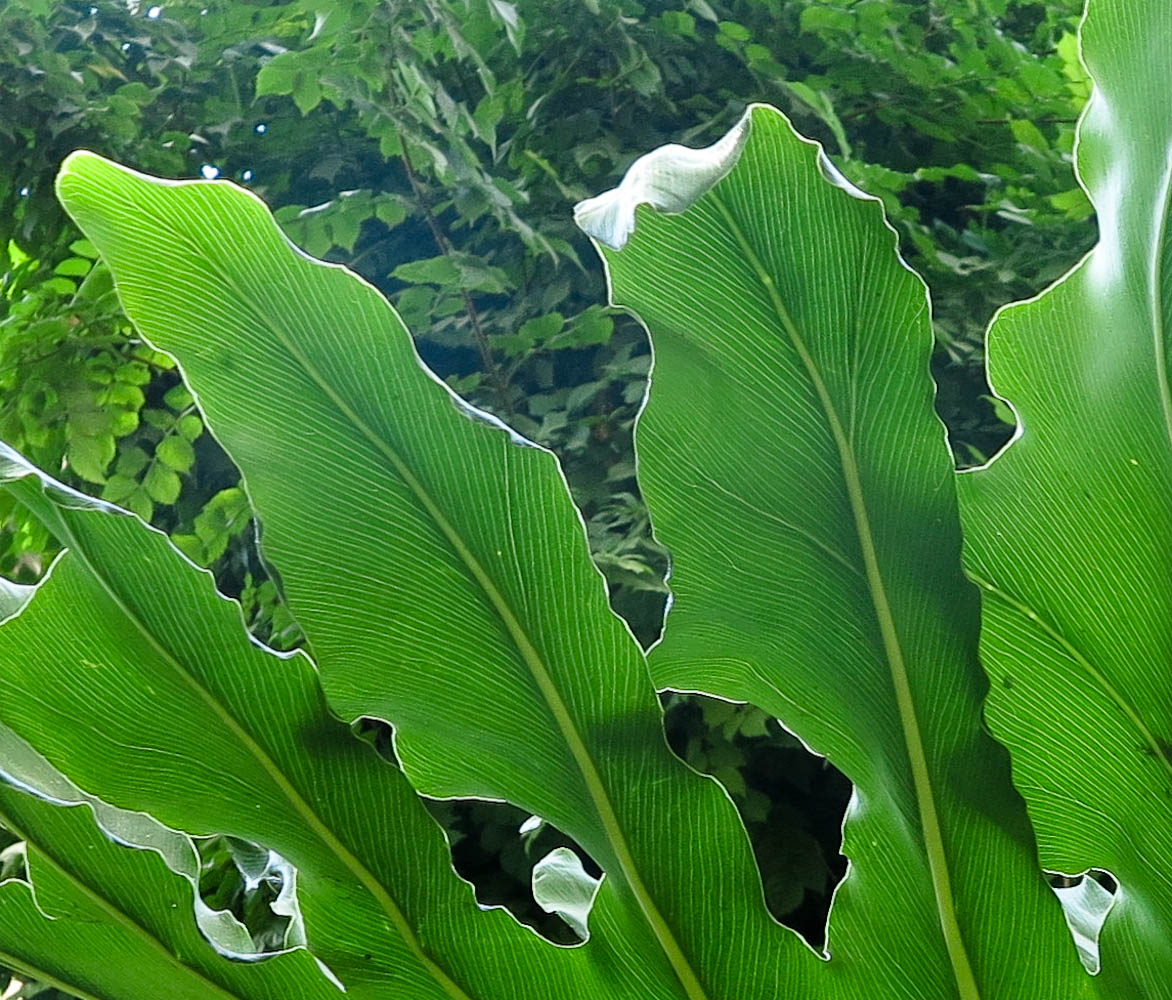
82 394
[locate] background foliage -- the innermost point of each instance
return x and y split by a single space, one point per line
436 147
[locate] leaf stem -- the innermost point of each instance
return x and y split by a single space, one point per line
491 368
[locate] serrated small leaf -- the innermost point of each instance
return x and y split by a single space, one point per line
124 393
162 484
89 421
307 93
160 419
176 453
118 488
123 422
433 270
134 373
89 457
190 426
277 76
178 397
131 461
84 248
139 503
74 267
58 286
191 547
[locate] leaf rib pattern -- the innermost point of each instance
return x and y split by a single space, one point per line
1067 530
541 674
247 748
791 368
114 916
921 777
475 623
91 896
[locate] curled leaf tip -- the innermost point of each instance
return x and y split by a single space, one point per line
670 179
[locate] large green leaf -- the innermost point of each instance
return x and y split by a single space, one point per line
459 600
137 680
795 470
102 920
1069 531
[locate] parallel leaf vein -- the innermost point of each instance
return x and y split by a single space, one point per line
913 738
525 646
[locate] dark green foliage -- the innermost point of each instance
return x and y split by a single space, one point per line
436 147
791 801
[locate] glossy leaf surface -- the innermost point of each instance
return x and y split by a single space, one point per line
103 920
474 620
796 470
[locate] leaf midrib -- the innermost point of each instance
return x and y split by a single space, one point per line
533 660
16 964
893 651
517 633
319 827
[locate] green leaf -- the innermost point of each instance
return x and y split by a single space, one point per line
97 918
190 426
434 270
178 397
118 488
123 422
227 514
307 93
74 267
176 453
482 639
278 75
795 469
140 503
162 484
161 419
1068 531
1027 133
736 31
825 18
131 461
123 393
90 456
247 747
84 248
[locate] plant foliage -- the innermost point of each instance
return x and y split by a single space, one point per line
795 468
419 141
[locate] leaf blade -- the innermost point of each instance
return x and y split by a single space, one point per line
787 437
451 520
1067 529
246 748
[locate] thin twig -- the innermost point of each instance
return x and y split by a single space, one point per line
445 247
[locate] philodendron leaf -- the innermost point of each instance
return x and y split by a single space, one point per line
137 680
1069 530
459 601
796 471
